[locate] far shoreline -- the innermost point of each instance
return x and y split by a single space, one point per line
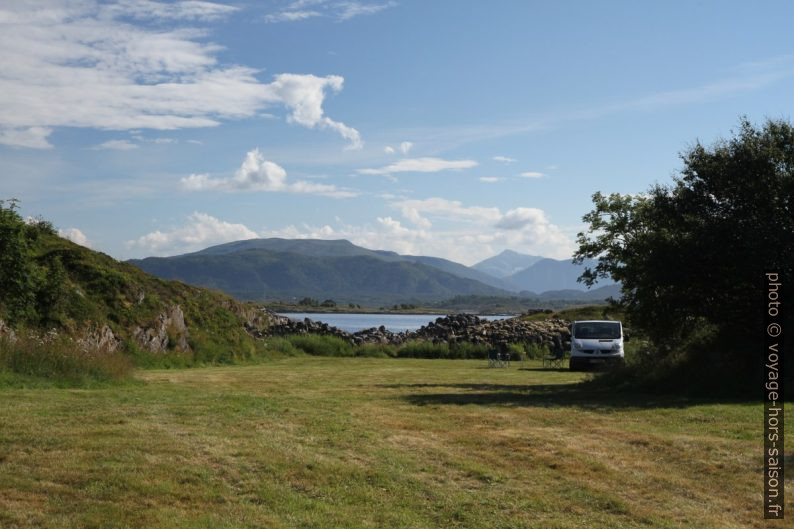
421 311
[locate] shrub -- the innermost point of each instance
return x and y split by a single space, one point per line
278 346
423 349
468 350
536 350
516 351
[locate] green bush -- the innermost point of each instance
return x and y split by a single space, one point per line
427 349
468 350
321 345
279 347
536 350
423 349
517 351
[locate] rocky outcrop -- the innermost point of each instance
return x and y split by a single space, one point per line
256 320
7 333
168 331
456 328
101 339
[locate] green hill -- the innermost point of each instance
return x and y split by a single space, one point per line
51 284
343 273
345 248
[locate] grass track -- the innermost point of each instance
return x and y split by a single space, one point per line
357 443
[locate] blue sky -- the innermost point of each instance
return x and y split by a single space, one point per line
455 129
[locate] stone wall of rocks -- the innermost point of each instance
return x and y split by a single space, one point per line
554 333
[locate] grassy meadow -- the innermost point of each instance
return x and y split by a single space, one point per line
313 442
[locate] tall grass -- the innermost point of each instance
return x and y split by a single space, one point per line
536 350
320 345
323 345
60 360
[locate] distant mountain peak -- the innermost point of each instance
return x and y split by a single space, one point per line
510 253
506 263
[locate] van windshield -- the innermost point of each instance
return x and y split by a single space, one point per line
596 330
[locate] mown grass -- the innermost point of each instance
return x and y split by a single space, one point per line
356 442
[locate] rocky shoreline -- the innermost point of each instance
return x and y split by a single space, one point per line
454 328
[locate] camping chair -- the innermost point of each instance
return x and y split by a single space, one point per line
493 359
554 360
504 359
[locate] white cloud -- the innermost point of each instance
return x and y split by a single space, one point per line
504 159
142 75
468 233
76 236
202 230
465 234
304 95
450 209
349 10
116 145
291 16
403 147
412 214
30 137
187 9
532 174
421 165
258 174
490 179
518 218
339 10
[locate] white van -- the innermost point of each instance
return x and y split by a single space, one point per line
596 343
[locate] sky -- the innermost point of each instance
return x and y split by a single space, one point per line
455 129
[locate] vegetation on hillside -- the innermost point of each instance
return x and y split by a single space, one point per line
691 257
48 283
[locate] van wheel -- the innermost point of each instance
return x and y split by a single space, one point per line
574 364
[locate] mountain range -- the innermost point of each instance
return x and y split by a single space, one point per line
289 269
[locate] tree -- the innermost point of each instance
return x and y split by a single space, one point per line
18 275
692 255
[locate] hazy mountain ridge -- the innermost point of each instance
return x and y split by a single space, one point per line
553 274
257 274
506 264
287 269
345 248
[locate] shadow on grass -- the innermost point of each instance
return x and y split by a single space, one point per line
549 395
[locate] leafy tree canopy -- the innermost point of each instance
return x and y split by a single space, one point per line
693 254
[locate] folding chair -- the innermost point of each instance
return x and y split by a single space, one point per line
504 359
554 360
493 359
